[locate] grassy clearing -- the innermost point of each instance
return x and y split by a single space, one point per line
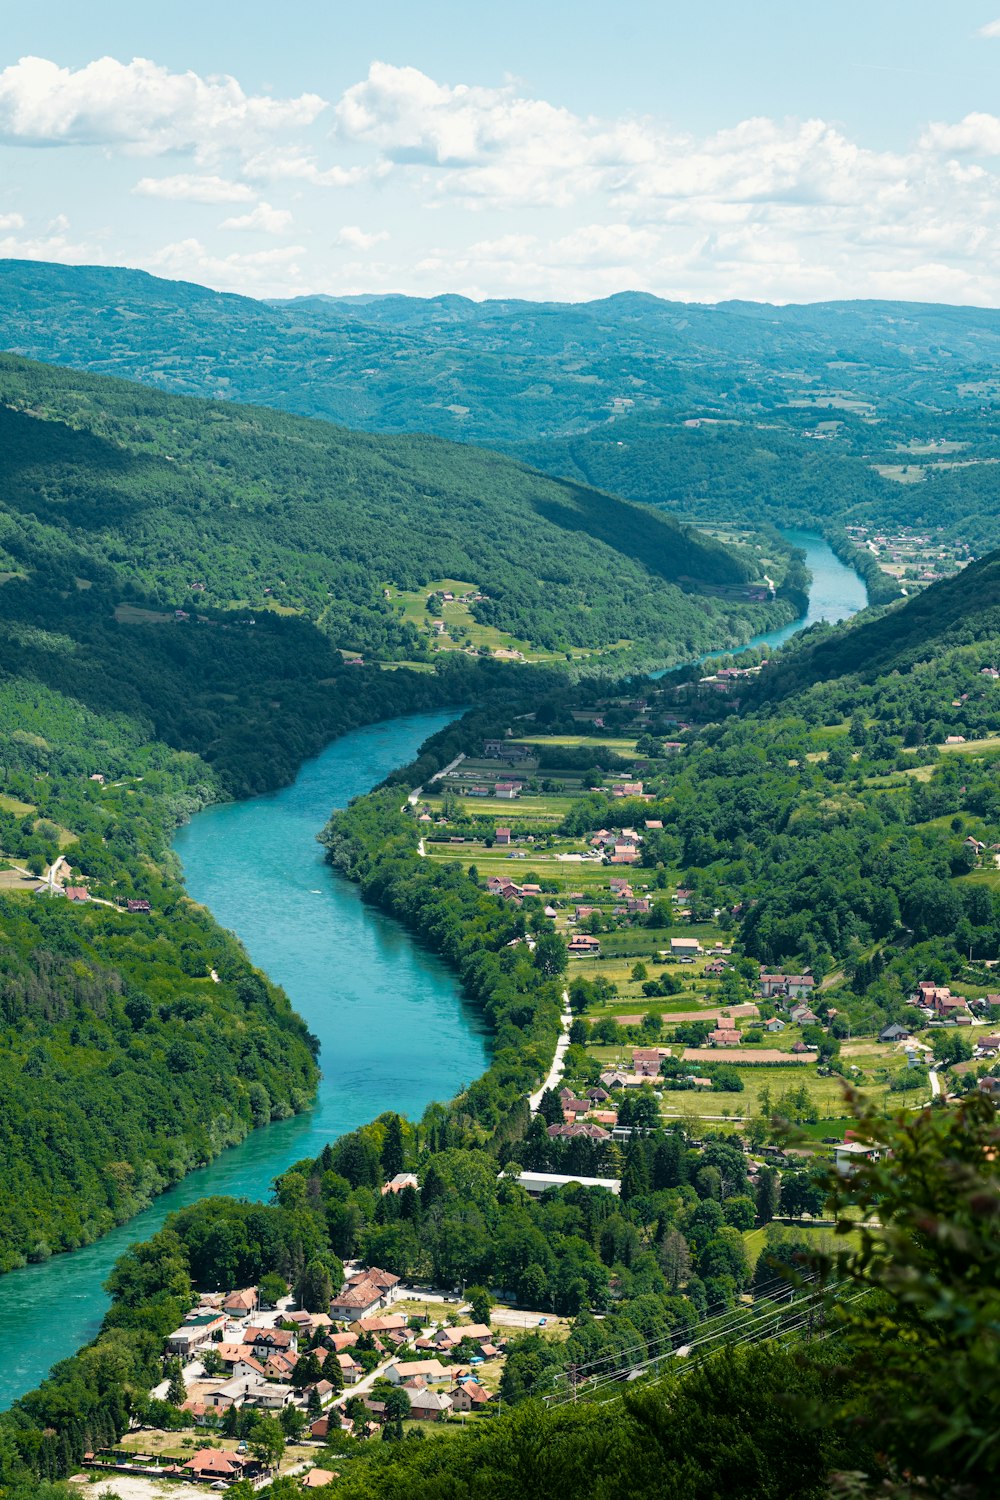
12 805
133 614
971 747
575 741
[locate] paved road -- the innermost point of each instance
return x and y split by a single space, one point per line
559 1059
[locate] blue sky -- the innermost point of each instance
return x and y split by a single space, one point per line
777 151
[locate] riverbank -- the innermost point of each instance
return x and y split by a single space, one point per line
348 968
371 950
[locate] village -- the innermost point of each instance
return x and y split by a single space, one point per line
655 993
384 1352
915 558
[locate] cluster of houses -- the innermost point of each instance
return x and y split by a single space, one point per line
617 846
255 1350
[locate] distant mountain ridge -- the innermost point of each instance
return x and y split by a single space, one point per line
500 371
741 412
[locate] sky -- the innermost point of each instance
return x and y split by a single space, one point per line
556 149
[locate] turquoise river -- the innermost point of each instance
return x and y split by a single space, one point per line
394 1030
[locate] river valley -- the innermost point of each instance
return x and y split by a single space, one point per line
393 1028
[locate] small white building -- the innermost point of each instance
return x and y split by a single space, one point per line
537 1183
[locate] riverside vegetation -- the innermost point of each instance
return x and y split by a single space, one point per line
824 814
124 1023
119 718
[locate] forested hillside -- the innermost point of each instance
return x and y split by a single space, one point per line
864 411
181 503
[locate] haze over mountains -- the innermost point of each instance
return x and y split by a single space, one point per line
740 412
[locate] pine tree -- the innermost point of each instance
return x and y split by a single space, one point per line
392 1147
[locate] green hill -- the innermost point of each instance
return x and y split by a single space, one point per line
182 503
740 412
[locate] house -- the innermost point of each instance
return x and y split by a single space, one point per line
775 1024
317 1478
851 1155
447 1339
598 1096
349 1368
990 1087
894 1033
432 1370
429 1406
386 1323
794 986
267 1341
469 1396
502 836
209 1464
239 1304
800 1047
583 942
681 947
77 893
195 1333
652 823
250 1390
647 1060
627 789
141 907
507 790
399 1182
505 750
722 1036
364 1293
591 1132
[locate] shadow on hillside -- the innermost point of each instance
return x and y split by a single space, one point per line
657 542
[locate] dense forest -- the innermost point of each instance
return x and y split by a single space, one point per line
740 413
180 504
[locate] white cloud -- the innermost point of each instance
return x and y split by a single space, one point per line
277 165
264 272
991 30
11 221
499 145
263 218
355 238
139 105
978 134
192 187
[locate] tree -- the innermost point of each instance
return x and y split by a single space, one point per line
397 1404
550 1107
176 1390
550 955
266 1440
315 1288
307 1370
767 1195
293 1422
635 1178
332 1372
481 1303
392 1147
740 1212
639 971
929 1250
951 1046
271 1289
